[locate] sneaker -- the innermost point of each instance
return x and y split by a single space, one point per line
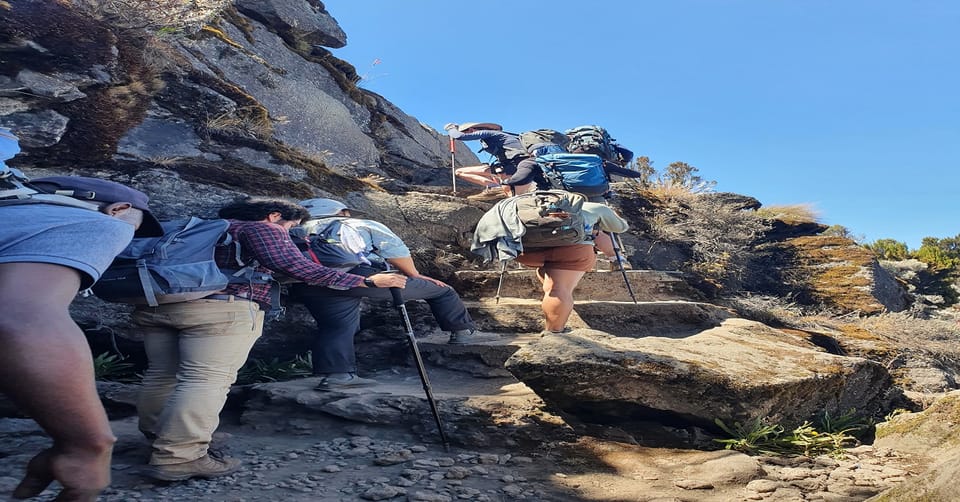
470 336
338 381
205 467
563 331
489 195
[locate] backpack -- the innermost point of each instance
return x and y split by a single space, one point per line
530 139
327 246
592 139
575 172
551 218
177 267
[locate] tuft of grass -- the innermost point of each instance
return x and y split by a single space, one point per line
113 368
275 370
761 438
790 213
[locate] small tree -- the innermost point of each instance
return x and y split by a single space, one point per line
889 249
940 254
644 166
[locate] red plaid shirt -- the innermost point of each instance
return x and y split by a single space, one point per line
270 245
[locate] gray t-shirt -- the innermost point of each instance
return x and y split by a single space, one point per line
72 237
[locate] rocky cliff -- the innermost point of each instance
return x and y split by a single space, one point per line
251 101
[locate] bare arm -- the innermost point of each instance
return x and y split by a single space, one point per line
405 264
47 370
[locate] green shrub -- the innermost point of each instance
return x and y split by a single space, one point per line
275 370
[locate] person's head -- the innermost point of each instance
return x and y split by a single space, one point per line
280 211
325 208
112 199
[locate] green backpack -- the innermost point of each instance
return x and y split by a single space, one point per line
530 139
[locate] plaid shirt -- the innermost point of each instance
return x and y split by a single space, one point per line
270 245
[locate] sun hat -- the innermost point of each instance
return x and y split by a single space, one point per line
95 189
483 126
325 207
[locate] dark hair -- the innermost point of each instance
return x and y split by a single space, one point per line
258 208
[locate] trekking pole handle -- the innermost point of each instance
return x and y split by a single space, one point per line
397 297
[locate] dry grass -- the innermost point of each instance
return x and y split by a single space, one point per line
790 213
247 121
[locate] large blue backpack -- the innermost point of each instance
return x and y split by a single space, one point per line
177 267
575 172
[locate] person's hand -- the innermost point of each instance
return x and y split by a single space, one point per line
450 126
83 475
389 280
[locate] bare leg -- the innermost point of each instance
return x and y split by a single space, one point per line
477 175
604 244
47 370
558 286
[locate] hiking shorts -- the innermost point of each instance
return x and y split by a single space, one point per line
72 237
579 257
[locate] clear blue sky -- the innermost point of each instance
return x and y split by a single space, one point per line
851 106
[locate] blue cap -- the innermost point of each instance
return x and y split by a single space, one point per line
96 189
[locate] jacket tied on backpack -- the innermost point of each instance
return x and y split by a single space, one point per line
543 218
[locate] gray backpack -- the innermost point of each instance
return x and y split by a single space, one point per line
177 267
551 218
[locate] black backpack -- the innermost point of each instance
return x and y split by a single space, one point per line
592 139
551 218
177 267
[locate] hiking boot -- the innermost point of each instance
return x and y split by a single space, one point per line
471 336
205 467
489 195
340 381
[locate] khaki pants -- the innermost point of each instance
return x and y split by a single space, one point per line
194 350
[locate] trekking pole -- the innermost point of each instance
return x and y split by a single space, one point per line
453 164
398 302
616 252
503 269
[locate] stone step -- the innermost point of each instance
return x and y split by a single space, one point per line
647 285
521 321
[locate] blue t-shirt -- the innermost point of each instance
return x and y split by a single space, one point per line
9 146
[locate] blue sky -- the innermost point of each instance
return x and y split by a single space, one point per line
850 106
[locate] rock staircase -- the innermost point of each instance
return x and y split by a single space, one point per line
473 390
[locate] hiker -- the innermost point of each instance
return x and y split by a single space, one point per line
559 268
592 139
195 348
337 311
48 252
504 146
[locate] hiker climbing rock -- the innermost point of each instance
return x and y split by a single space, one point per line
503 146
51 248
195 348
337 311
552 231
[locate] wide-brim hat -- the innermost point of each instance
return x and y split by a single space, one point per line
96 189
325 207
483 126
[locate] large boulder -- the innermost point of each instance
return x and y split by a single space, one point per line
737 372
